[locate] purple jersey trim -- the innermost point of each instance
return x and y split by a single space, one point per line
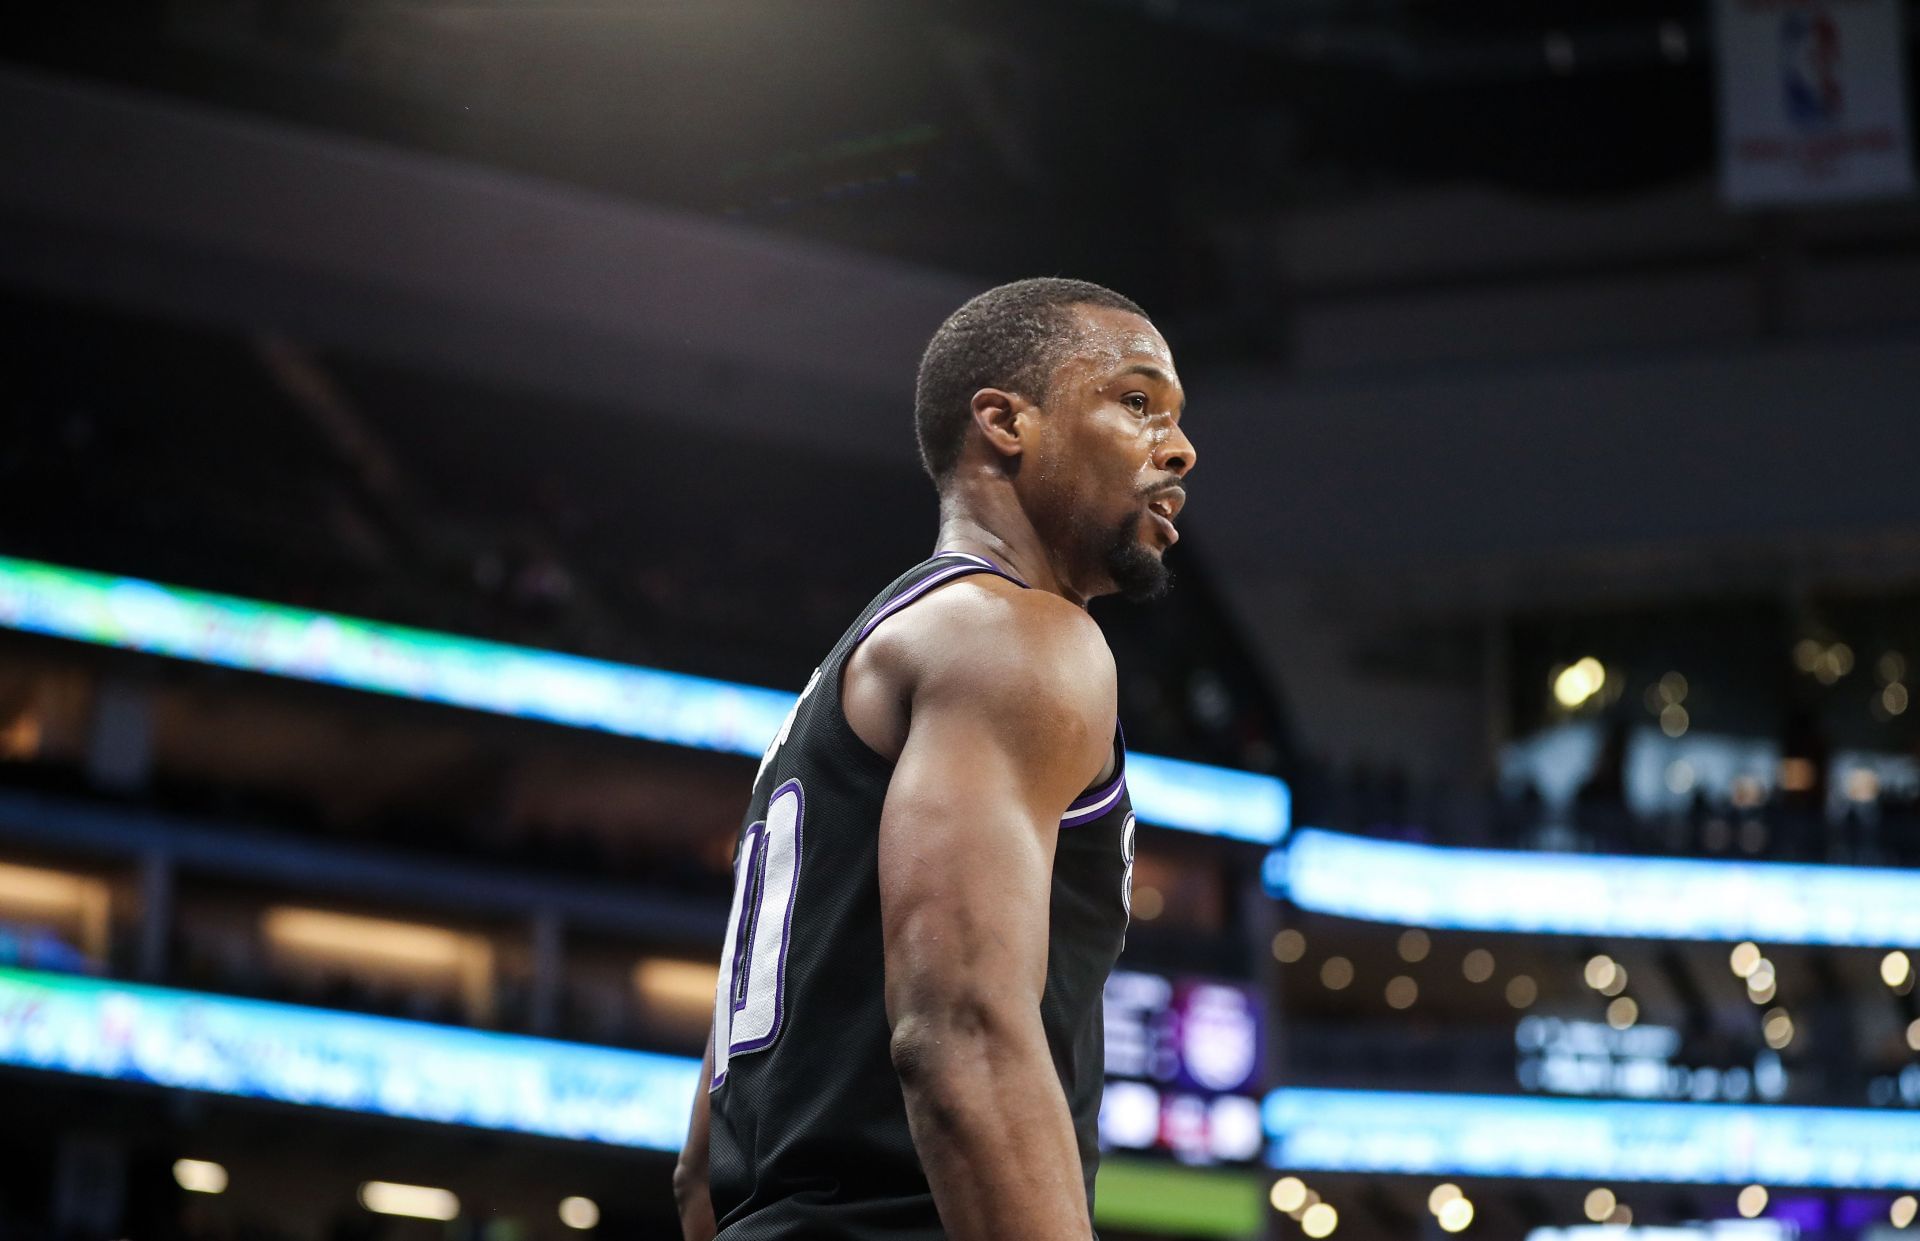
1108 797
974 564
1096 802
987 564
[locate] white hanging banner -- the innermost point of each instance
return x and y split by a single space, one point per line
1813 101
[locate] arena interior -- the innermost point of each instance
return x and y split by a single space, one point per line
442 435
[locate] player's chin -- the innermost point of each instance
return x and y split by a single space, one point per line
1138 568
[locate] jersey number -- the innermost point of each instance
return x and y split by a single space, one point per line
750 1003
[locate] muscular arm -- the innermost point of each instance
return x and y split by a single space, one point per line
1009 716
690 1192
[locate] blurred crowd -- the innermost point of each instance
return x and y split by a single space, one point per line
1770 824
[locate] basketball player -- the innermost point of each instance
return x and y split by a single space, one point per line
933 882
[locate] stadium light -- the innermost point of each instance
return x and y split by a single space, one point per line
579 1213
629 700
1606 896
410 1201
200 1176
1592 1140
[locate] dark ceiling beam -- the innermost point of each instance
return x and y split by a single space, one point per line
167 208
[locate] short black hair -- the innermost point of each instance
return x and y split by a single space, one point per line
1009 337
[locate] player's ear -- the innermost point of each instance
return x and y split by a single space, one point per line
996 413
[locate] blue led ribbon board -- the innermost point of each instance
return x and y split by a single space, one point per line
668 707
1591 894
1591 1139
378 1065
1213 801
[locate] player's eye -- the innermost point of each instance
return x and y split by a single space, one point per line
1135 401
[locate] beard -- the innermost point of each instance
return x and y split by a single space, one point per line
1138 572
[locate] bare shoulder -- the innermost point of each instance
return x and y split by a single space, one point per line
987 638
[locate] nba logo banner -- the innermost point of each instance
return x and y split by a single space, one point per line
1812 101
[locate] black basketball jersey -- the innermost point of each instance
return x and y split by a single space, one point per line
809 1126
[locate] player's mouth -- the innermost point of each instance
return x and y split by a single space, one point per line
1164 507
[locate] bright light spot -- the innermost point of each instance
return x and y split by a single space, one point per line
1842 656
1456 1215
1761 995
581 1213
1617 983
1147 904
1761 976
1440 1195
1752 1201
1414 946
1913 1035
1233 1128
1777 1028
1600 971
200 1176
1679 777
1600 1204
1578 682
1289 1194
1797 775
1892 666
1673 688
1673 719
1895 968
1807 653
412 1201
1478 965
1862 785
1130 1114
1894 699
1402 992
1336 973
1521 991
1289 946
1623 1012
1622 1215
1903 1210
1319 1220
1744 958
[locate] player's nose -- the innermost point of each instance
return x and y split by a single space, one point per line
1175 453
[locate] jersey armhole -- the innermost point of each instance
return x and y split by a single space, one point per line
962 564
1090 805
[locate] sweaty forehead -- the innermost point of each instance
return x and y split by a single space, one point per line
1111 339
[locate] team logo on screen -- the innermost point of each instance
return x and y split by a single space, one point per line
1810 66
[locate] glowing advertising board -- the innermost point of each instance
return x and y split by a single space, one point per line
1561 1056
1600 895
648 703
1183 1066
1591 1139
379 1065
1707 1230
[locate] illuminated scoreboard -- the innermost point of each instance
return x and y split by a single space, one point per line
1183 1068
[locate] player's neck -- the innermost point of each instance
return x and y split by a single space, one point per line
1010 542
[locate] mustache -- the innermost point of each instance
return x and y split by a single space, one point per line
1175 490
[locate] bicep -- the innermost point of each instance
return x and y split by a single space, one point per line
967 838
